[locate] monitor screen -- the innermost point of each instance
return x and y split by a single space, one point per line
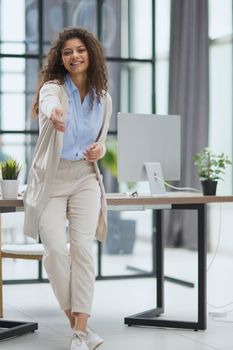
148 138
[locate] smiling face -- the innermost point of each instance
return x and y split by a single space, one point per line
75 57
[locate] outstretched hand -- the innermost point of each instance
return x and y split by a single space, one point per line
93 152
56 118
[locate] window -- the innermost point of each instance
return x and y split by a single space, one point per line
128 38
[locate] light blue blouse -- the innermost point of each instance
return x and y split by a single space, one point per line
83 124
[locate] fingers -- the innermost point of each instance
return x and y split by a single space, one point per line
56 118
93 152
56 114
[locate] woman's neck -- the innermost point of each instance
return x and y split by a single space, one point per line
80 81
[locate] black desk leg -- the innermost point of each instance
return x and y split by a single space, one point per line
159 262
147 318
151 317
144 273
202 252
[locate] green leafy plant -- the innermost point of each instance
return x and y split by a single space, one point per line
10 169
209 165
109 161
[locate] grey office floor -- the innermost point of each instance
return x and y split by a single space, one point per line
116 299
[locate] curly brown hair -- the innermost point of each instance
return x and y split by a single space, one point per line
53 69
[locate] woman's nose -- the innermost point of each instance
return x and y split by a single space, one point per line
75 53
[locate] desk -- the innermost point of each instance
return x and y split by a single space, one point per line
8 328
175 200
182 201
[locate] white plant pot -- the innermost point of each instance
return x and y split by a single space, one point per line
10 189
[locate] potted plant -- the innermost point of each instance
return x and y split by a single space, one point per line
10 170
210 168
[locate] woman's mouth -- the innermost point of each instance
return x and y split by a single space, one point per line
75 64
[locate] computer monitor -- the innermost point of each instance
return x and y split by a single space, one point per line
148 149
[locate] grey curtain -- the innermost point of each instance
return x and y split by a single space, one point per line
188 97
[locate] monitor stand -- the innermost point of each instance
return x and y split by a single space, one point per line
157 187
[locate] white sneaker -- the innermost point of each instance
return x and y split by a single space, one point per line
93 340
79 341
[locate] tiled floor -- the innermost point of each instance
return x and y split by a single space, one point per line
116 299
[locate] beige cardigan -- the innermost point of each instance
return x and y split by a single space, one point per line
47 156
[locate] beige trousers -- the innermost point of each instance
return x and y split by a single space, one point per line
75 195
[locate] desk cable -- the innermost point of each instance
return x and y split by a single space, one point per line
219 236
174 187
214 315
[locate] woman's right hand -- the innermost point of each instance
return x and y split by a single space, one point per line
56 118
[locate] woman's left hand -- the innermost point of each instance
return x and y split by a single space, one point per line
93 152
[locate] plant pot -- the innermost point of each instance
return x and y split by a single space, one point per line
209 187
10 189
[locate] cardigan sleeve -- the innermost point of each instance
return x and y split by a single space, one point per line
49 98
107 116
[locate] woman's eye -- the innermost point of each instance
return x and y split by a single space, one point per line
70 52
67 53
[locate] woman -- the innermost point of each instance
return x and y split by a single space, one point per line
64 182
